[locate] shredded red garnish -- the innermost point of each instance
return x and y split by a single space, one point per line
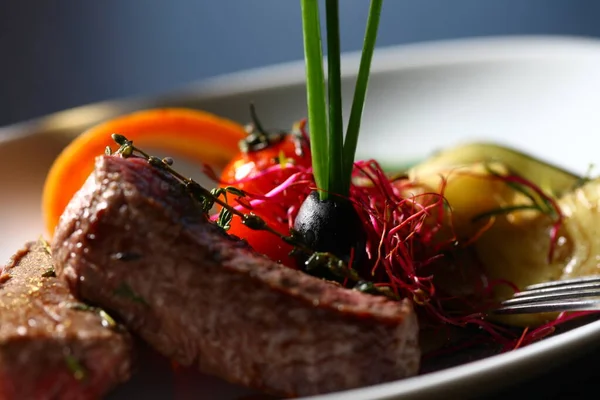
552 209
407 234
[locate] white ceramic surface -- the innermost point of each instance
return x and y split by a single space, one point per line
540 94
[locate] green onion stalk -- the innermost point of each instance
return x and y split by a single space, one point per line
327 220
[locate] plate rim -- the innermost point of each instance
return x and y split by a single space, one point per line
385 60
389 59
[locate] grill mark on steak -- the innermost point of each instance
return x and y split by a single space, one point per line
44 339
209 300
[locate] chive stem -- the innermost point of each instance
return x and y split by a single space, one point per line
360 90
315 93
336 124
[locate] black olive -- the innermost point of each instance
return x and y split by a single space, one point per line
331 226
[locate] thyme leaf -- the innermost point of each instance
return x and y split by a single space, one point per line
49 273
539 202
315 260
370 288
106 320
504 211
75 367
366 287
120 139
80 307
326 261
235 191
224 220
124 290
45 245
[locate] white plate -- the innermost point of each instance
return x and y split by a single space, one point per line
537 93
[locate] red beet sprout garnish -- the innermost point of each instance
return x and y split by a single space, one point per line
409 229
404 233
533 335
539 201
272 203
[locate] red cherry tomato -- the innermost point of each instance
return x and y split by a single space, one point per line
251 163
244 172
265 242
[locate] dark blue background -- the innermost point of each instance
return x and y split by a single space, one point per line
55 55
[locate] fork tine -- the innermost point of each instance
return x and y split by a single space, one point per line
565 282
570 287
550 306
560 295
577 294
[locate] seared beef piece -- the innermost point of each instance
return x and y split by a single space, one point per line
51 346
132 240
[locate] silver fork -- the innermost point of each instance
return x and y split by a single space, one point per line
577 294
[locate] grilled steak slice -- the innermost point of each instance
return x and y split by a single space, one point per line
132 240
51 345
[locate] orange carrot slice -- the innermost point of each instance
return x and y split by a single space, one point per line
197 135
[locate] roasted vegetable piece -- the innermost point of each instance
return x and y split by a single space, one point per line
514 245
517 249
550 178
470 191
581 209
199 135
